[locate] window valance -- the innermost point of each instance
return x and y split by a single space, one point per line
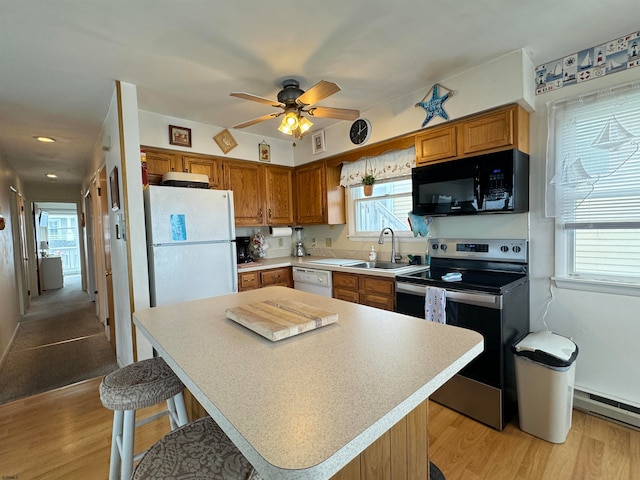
393 164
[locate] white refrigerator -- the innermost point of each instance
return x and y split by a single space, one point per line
190 243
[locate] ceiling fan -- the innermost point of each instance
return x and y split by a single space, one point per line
294 101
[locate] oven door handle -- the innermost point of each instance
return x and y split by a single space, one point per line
481 299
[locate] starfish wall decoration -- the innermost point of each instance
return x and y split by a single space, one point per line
433 106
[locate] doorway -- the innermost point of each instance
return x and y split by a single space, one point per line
58 239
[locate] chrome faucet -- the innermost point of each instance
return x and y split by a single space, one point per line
394 257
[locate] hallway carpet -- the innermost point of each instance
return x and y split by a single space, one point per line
59 342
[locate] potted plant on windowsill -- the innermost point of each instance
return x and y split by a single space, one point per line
368 181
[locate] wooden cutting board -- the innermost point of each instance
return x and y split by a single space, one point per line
278 319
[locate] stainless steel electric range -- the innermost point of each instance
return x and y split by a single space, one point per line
492 298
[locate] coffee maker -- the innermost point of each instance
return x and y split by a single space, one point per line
243 250
298 248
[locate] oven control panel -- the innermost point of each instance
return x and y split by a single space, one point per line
511 250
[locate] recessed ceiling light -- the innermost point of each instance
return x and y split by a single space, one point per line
51 175
45 139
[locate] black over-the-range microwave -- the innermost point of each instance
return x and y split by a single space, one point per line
490 183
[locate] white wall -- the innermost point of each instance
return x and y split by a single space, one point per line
9 295
126 225
501 81
605 327
154 131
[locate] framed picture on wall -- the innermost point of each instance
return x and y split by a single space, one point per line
114 190
180 136
264 152
225 141
317 142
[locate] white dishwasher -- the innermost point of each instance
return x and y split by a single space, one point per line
312 281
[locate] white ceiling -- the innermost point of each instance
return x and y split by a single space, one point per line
59 58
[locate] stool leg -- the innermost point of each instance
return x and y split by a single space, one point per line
173 416
114 462
128 436
183 416
178 416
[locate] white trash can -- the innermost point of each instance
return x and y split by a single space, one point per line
545 374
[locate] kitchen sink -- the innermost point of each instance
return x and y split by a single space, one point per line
380 265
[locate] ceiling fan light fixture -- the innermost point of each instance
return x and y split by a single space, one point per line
304 124
289 123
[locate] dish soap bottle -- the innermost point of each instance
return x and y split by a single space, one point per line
372 254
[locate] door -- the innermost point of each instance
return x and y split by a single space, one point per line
246 179
311 193
279 196
188 215
211 167
180 273
106 254
21 253
87 223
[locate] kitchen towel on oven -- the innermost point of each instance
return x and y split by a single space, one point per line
435 302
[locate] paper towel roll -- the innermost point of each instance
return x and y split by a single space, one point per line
280 231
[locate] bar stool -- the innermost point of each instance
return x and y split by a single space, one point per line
139 385
198 450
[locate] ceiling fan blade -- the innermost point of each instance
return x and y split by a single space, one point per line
319 91
339 113
257 120
255 98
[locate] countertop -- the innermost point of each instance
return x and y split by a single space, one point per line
303 407
307 262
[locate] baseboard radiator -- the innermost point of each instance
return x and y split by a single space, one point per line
619 412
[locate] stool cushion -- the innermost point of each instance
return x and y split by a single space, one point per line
139 385
198 450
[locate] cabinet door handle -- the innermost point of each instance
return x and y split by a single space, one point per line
269 213
260 214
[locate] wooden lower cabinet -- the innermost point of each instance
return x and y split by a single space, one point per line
248 281
379 292
401 453
281 277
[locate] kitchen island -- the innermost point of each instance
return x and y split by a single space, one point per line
344 401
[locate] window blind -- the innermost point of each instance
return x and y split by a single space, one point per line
596 179
593 180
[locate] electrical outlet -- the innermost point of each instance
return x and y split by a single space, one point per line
327 242
313 242
280 242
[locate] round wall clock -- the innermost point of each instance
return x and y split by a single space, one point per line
360 131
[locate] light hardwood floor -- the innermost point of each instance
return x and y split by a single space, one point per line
65 434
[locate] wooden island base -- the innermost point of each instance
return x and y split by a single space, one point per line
401 453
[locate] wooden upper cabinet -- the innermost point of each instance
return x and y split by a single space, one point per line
246 180
439 143
279 195
488 132
319 194
500 129
159 162
310 190
206 165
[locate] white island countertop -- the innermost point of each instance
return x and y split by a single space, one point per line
305 406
